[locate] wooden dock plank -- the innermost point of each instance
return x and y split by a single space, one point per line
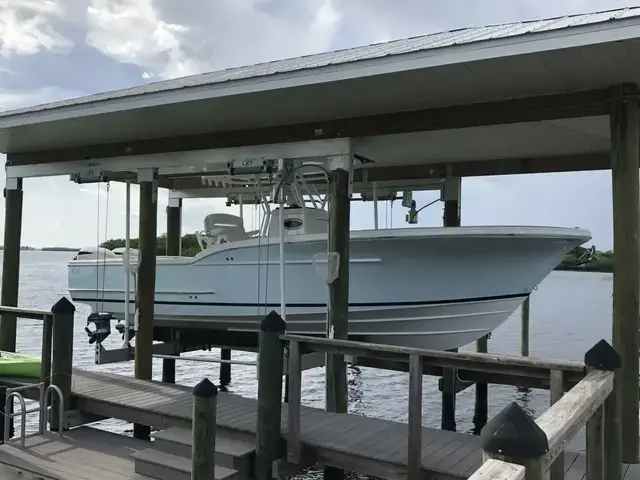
81 454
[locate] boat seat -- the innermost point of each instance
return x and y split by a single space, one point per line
223 227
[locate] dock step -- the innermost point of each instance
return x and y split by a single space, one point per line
165 466
233 453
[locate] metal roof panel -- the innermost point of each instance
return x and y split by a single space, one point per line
427 42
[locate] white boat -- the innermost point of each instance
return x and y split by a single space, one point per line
438 288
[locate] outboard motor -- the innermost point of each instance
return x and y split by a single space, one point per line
102 322
120 328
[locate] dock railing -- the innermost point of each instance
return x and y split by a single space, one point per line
55 368
588 384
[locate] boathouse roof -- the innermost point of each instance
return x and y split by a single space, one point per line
528 90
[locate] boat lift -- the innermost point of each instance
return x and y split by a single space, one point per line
282 179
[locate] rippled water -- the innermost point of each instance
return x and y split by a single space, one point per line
570 312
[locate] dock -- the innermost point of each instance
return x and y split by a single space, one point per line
374 447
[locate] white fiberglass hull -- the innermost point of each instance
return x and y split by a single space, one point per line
438 288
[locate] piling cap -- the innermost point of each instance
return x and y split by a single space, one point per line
205 389
273 323
514 433
63 306
602 356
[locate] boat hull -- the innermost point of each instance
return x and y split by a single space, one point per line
442 289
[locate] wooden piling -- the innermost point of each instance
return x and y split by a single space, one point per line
10 271
62 357
448 407
146 284
269 415
604 427
481 406
11 261
625 163
524 328
203 431
225 368
414 447
336 368
451 218
174 233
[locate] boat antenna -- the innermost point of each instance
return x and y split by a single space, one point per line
415 214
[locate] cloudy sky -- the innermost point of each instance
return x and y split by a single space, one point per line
55 49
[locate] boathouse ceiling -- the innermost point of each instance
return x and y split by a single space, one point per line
512 98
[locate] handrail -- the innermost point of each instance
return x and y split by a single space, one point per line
56 363
31 313
513 436
478 362
583 403
9 416
45 406
499 470
252 363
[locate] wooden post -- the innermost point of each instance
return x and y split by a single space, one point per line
524 328
513 436
225 368
62 362
451 218
294 403
625 163
45 367
414 447
448 407
146 283
556 392
174 227
481 407
203 430
602 429
11 261
339 227
270 359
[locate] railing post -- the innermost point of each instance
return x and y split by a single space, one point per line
45 368
513 436
414 447
294 404
270 361
203 430
556 392
63 311
604 426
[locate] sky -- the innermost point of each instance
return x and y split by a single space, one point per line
56 49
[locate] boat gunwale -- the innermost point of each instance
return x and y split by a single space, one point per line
560 233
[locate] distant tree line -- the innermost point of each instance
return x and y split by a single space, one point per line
581 258
190 246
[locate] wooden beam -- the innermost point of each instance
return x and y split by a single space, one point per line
625 125
146 288
434 171
529 109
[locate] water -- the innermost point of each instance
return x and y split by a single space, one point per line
570 312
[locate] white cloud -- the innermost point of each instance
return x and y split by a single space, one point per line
26 27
